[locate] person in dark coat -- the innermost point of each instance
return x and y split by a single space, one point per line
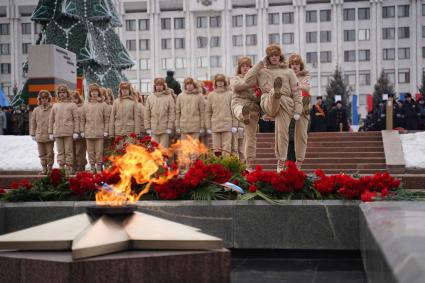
381 117
172 83
398 115
338 118
369 124
318 116
20 121
421 105
411 111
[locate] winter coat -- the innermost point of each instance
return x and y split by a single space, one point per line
40 123
245 92
142 118
318 119
124 118
304 84
291 100
411 115
160 112
3 123
20 122
337 117
94 119
64 120
190 112
219 117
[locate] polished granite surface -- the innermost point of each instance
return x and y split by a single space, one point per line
315 268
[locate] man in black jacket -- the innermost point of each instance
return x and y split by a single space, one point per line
411 113
318 116
338 121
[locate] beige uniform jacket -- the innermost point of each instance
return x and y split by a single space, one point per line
190 112
142 118
160 112
40 123
219 117
64 120
124 118
94 119
304 84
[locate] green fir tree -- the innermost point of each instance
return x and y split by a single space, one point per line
422 87
382 86
335 87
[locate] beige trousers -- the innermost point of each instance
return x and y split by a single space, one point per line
163 139
80 160
95 151
238 146
194 136
222 141
301 137
46 153
250 132
107 142
65 147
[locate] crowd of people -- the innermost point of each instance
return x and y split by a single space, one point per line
408 114
14 121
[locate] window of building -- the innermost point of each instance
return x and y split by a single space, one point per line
325 36
404 53
237 21
403 32
364 55
423 9
349 35
235 60
251 39
288 18
215 41
4 48
179 23
388 12
215 61
166 23
130 25
167 63
423 52
311 37
144 24
145 64
403 11
37 28
350 55
324 80
179 43
202 41
145 86
325 15
253 58
202 62
363 14
311 16
215 22
388 33
288 38
364 78
4 29
144 44
25 47
130 44
325 56
311 57
251 20
274 38
180 63
364 34
26 28
390 75
237 40
388 53
5 68
166 43
273 18
423 31
350 79
349 14
201 22
404 76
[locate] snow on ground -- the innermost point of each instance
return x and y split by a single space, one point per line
19 153
414 149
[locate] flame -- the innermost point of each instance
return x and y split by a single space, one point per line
142 167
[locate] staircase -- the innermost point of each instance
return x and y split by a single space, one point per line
361 152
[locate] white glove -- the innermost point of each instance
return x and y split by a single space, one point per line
82 135
168 131
105 134
201 131
240 130
297 116
234 130
149 132
178 131
75 136
33 138
209 131
51 138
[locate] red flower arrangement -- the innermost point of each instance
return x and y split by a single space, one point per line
85 183
22 184
56 177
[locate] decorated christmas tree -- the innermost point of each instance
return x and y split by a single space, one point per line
86 27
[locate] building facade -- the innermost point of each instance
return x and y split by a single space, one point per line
200 38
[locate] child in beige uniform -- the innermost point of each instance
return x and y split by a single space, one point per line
80 148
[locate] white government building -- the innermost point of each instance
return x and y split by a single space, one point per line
200 38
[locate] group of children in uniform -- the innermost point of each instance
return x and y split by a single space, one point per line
229 114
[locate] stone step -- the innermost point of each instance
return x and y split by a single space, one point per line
353 166
345 139
6 180
343 160
355 149
340 134
345 144
379 154
272 167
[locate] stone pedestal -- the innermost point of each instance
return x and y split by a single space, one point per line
125 267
